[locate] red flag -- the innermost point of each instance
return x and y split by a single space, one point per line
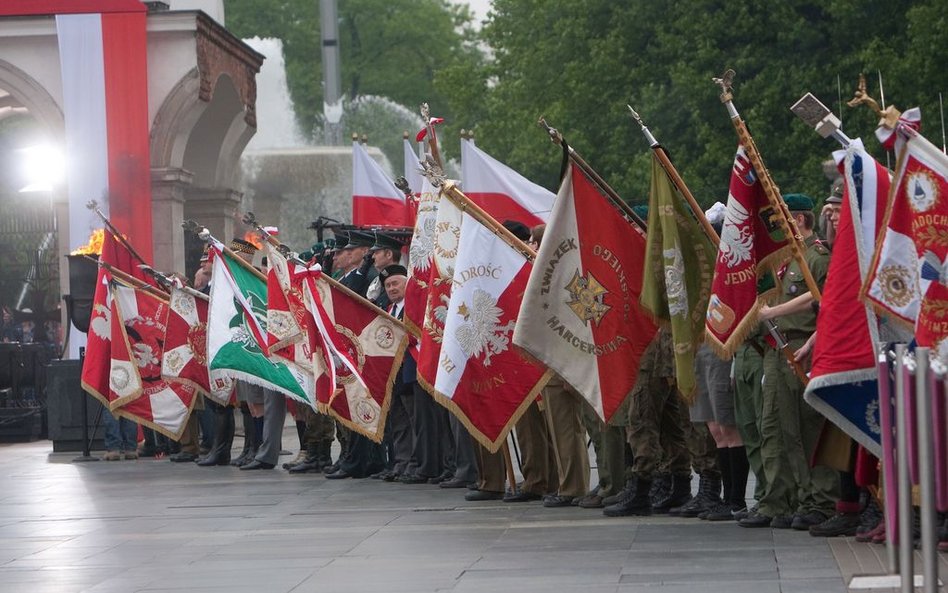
581 314
185 353
95 367
375 341
375 199
420 258
752 243
156 403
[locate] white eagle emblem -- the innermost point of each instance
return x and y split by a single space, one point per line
423 242
736 239
481 332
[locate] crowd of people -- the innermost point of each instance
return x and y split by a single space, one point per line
749 415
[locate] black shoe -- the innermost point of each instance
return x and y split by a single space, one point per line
391 477
756 520
782 522
803 521
521 496
339 474
636 501
183 457
257 465
678 495
870 518
721 512
613 499
837 525
308 465
244 458
454 483
708 496
381 475
444 476
745 512
212 460
331 469
480 495
412 479
555 501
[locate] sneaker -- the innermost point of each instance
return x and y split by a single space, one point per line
112 456
131 455
837 525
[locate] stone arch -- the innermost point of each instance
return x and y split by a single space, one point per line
32 95
218 136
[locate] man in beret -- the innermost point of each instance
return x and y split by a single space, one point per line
790 427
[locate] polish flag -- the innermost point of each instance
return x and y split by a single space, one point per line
413 176
375 199
500 191
421 257
482 378
103 62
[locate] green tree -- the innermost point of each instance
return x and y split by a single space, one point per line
389 48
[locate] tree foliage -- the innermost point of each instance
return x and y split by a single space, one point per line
578 62
389 48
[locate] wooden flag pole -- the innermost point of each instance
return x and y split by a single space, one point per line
557 138
94 206
456 196
787 224
132 281
432 139
679 183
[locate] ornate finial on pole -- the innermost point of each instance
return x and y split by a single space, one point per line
201 232
817 115
862 97
355 137
726 82
431 170
648 134
554 134
365 138
92 205
402 184
425 113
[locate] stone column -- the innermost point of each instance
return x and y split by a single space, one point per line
168 187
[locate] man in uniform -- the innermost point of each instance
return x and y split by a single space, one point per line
789 427
655 429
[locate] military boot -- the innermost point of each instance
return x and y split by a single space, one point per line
223 439
661 488
636 502
629 487
678 495
709 495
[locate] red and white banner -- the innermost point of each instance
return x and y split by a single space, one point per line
908 278
421 258
375 199
374 342
185 352
500 191
751 246
95 366
142 394
446 243
414 178
103 62
581 314
482 378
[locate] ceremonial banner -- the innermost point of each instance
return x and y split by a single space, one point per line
844 378
481 378
414 178
376 341
500 191
142 395
581 314
752 244
236 330
447 237
286 307
185 353
679 257
908 278
95 367
375 199
420 254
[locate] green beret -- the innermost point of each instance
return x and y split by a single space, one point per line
798 202
641 210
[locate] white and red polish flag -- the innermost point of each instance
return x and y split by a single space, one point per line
482 378
375 199
500 191
581 314
421 258
414 178
139 322
103 62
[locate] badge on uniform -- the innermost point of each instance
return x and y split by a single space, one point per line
793 289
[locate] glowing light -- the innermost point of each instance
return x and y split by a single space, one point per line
43 167
94 246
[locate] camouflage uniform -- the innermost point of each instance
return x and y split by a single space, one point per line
789 425
655 417
748 400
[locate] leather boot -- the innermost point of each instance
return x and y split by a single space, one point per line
679 494
636 502
310 463
223 438
709 495
324 452
250 436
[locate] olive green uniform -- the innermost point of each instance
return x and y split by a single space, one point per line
788 424
748 403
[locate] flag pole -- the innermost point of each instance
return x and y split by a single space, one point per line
432 139
787 224
131 280
675 178
557 138
206 236
94 206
